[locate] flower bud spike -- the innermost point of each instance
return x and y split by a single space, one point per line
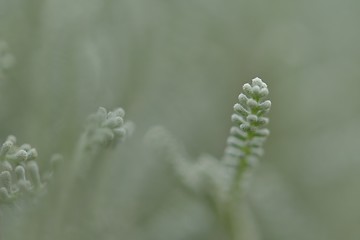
245 143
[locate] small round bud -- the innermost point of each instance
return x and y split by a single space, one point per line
264 92
237 119
113 122
247 89
263 121
256 90
7 145
252 103
119 112
243 98
262 132
241 110
252 118
235 142
238 132
265 105
32 154
19 156
245 127
258 82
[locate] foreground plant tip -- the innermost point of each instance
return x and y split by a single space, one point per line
245 143
221 178
222 181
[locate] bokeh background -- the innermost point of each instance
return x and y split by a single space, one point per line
181 64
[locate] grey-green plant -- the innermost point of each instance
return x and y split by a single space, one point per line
223 182
19 172
220 182
103 130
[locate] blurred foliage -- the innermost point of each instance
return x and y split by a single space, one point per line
181 64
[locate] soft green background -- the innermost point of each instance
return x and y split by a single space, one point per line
181 64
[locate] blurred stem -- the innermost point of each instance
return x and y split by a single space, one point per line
80 182
237 220
234 213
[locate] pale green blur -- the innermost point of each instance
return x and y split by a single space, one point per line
181 64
